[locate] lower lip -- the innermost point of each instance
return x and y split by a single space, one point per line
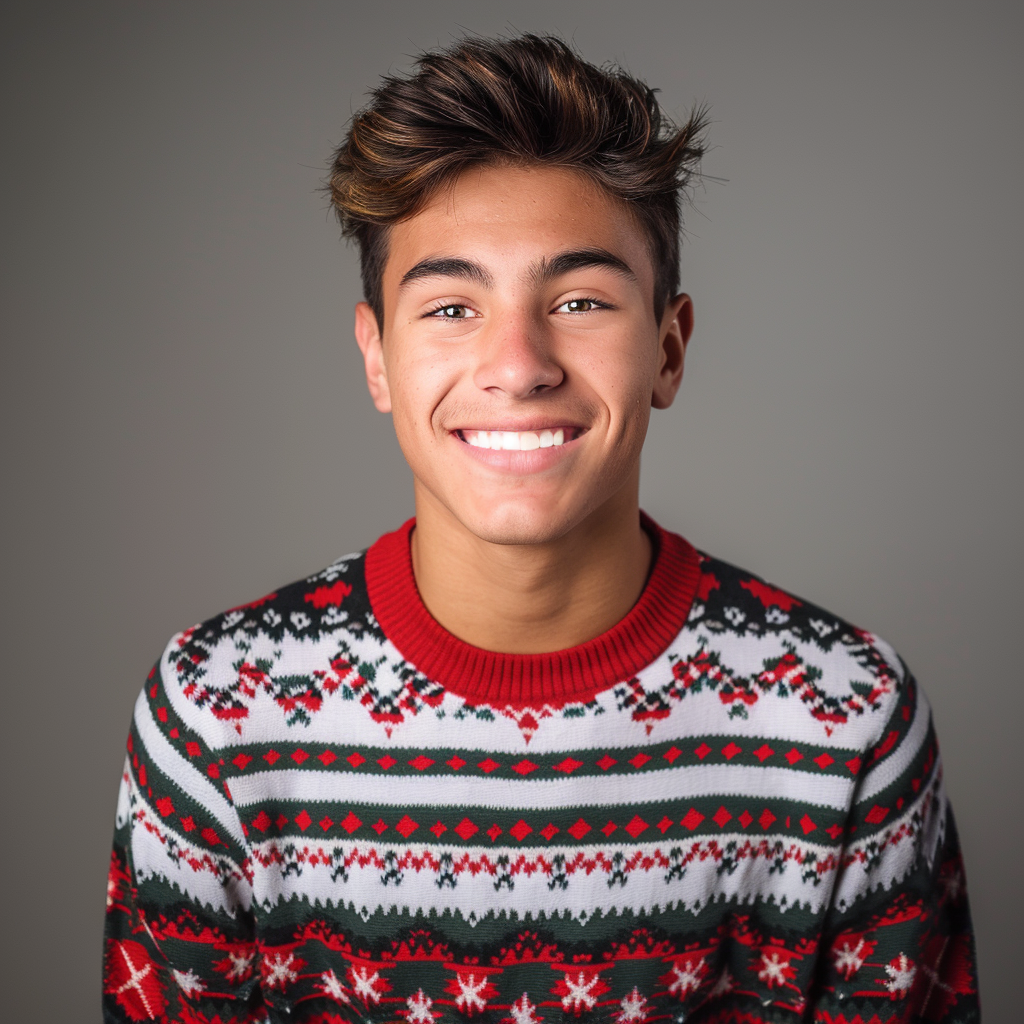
520 462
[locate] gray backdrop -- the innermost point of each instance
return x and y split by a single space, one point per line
185 423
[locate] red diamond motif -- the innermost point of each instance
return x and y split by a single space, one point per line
379 826
192 748
327 758
794 755
494 832
351 823
325 823
834 831
241 761
386 762
466 829
730 750
693 819
406 826
488 766
520 830
438 829
823 760
671 754
569 765
899 802
188 824
854 765
282 820
766 820
745 818
455 763
579 830
174 733
763 752
807 825
164 806
787 821
298 756
702 751
271 756
549 831
421 763
161 713
876 815
640 760
524 767
303 820
721 817
636 826
211 769
665 824
606 762
355 759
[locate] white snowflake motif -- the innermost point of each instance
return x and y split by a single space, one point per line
776 616
734 615
633 1008
773 968
418 1009
581 995
901 971
330 985
271 617
188 982
365 984
239 966
523 1012
300 620
686 977
279 970
850 959
470 998
723 983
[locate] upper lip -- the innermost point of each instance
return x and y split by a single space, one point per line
534 426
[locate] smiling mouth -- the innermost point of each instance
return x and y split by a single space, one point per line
519 440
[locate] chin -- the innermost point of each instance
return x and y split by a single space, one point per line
512 523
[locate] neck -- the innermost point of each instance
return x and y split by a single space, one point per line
531 598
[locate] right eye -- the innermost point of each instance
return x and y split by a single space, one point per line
452 311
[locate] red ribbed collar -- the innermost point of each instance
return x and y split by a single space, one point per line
533 680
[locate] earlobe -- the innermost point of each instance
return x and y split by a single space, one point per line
676 328
369 341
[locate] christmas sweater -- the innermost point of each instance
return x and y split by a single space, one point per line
727 808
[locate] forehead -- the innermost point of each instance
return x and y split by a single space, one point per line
506 216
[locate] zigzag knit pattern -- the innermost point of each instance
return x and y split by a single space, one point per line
729 808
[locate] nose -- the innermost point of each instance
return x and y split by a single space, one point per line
516 359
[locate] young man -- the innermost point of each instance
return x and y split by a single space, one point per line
531 756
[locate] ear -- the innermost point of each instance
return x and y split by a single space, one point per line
674 335
369 341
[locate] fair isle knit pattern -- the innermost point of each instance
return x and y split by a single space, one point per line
728 808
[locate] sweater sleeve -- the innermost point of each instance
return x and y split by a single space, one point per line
179 938
898 945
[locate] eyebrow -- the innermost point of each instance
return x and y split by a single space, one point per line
545 270
448 266
581 259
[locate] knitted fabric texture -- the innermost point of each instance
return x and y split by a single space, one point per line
728 808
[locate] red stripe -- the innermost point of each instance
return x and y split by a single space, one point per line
531 680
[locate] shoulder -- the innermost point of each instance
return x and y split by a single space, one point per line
215 672
772 646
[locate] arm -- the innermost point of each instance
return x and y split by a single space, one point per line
179 938
899 943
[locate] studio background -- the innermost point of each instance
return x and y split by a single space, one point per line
186 426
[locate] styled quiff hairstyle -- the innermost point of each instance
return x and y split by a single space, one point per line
528 100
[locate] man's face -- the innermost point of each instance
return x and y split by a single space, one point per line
521 354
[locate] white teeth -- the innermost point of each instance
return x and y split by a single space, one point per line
514 441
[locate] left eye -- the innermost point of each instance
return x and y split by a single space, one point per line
579 306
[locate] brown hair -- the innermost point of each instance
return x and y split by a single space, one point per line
525 100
